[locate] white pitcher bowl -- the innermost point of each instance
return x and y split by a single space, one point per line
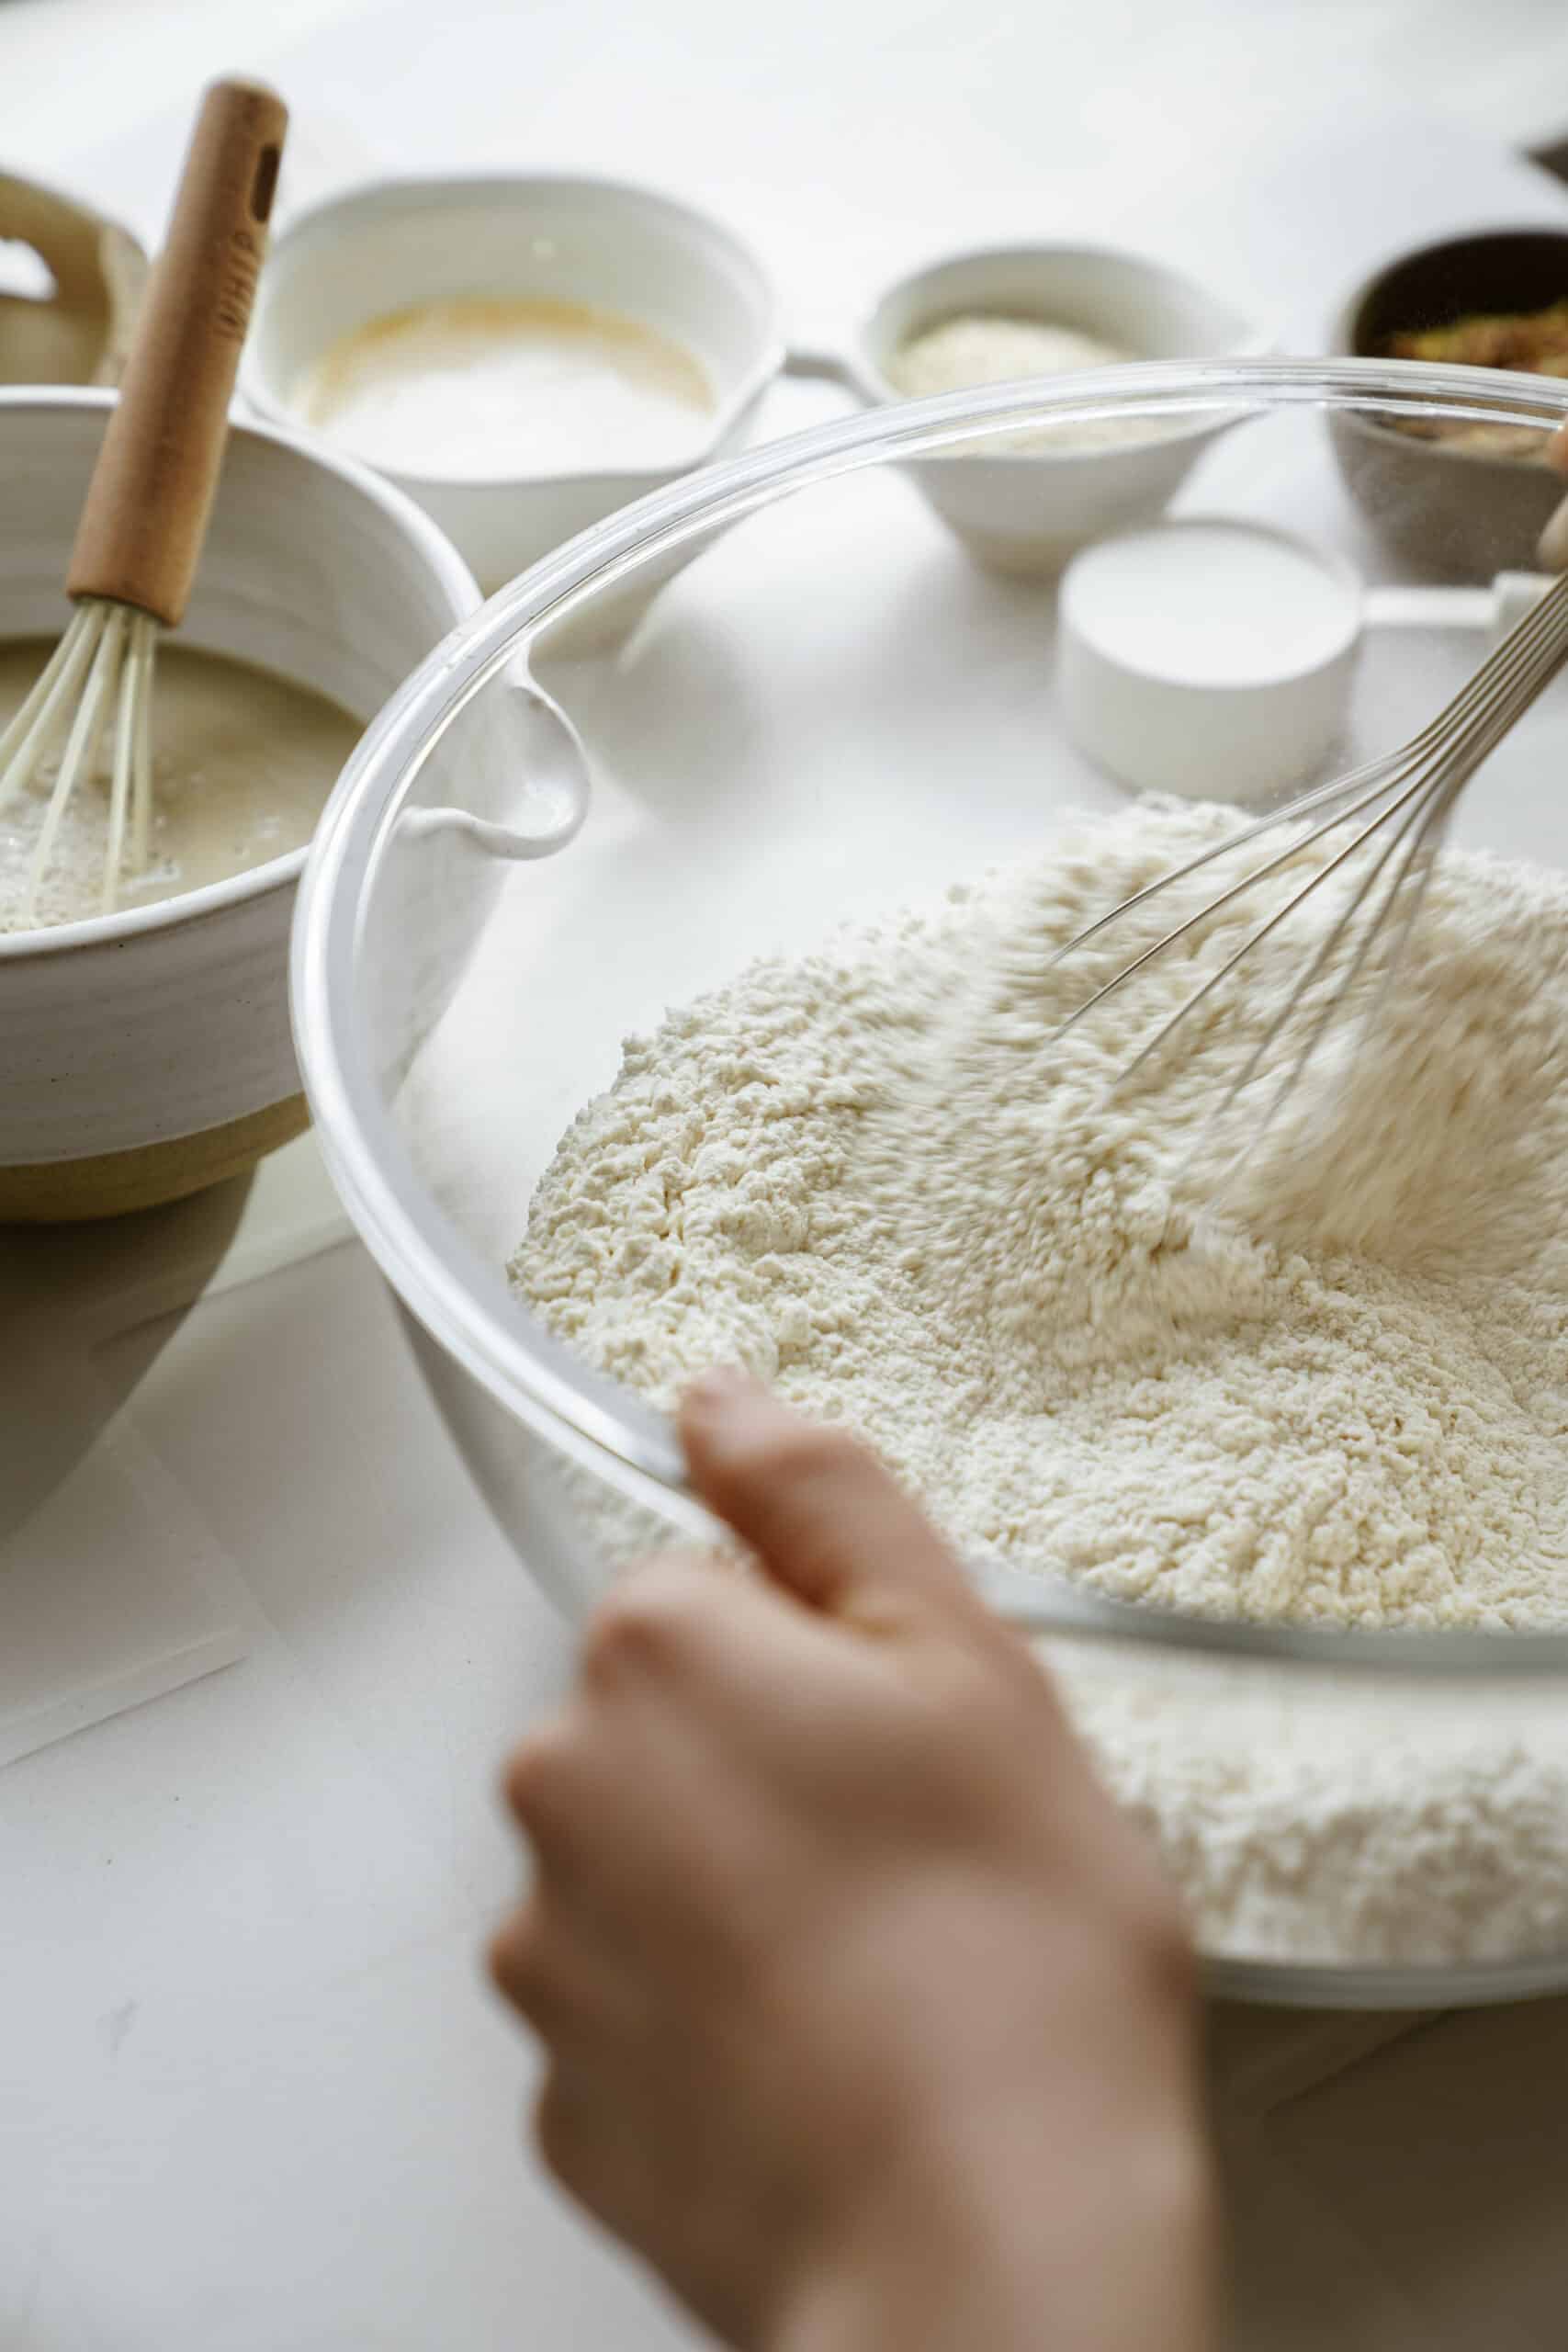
393 243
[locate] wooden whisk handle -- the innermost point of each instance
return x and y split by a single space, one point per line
142 528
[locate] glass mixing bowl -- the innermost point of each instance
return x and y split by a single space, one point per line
835 714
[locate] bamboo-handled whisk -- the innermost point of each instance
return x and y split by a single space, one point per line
141 534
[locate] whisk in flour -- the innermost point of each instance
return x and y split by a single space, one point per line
1335 1391
872 1176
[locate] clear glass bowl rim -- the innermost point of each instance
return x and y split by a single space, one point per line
461 1302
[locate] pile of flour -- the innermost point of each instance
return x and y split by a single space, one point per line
1328 1385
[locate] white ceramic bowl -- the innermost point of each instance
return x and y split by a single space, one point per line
146 1054
1027 510
398 241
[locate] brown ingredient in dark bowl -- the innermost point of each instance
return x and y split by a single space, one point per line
1535 342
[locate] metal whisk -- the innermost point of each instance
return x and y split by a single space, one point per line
1401 803
147 506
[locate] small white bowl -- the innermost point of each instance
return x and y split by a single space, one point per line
1208 655
394 243
1026 510
145 1055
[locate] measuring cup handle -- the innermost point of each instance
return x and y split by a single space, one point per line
1552 548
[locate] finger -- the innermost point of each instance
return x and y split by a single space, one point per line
561 1982
543 1785
672 1621
756 1686
601 1795
590 2143
636 1800
827 1521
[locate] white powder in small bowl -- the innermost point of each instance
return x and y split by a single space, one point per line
981 348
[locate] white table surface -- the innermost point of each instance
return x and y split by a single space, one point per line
253 2097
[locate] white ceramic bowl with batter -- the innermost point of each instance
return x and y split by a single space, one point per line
392 243
147 1054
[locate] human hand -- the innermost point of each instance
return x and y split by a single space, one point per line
869 2020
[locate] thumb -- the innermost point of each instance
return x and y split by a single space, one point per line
828 1522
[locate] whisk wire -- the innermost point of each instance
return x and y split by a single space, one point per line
1500 668
1413 826
1541 654
81 744
47 710
1302 805
1204 914
1272 922
145 634
119 788
1376 775
1328 947
99 673
1413 791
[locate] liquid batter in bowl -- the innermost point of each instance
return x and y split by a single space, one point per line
243 762
486 385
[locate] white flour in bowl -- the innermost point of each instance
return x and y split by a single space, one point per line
1336 1392
987 347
